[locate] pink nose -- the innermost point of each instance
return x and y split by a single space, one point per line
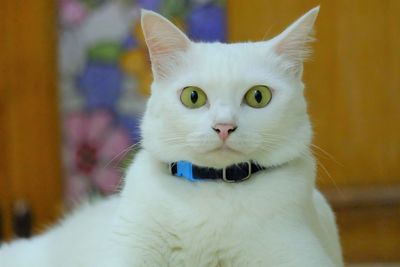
224 129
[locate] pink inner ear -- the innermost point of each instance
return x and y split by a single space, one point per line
158 52
164 41
293 42
159 49
162 37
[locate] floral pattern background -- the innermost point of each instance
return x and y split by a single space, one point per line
105 79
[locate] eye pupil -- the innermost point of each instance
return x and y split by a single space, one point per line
258 96
194 96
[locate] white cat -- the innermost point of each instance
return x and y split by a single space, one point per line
212 105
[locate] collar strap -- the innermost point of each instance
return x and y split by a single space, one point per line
231 174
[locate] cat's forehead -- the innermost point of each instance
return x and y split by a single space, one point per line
229 64
231 55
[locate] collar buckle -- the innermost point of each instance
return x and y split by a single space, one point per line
228 180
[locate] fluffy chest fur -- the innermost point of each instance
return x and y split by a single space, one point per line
217 224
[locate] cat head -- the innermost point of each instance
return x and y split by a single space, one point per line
216 104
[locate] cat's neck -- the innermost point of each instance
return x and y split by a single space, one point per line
304 162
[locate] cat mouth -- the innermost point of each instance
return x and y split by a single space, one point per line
224 148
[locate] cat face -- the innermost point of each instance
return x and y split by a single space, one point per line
218 104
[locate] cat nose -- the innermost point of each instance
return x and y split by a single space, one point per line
224 129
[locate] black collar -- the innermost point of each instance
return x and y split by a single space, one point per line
231 174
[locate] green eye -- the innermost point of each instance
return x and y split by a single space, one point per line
193 97
258 96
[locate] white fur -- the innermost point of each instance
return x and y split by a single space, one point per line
277 218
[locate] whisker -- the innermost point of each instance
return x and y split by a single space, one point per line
330 156
122 153
319 163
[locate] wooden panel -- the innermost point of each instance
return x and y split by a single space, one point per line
5 58
363 126
369 222
370 234
4 182
352 81
30 168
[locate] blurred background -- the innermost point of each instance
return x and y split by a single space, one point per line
75 75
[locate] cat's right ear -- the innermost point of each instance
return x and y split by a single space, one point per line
293 43
164 41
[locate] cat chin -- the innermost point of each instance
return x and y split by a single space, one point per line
219 158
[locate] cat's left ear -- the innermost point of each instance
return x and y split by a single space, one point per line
293 43
164 41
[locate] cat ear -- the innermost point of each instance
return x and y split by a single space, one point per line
164 41
293 43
